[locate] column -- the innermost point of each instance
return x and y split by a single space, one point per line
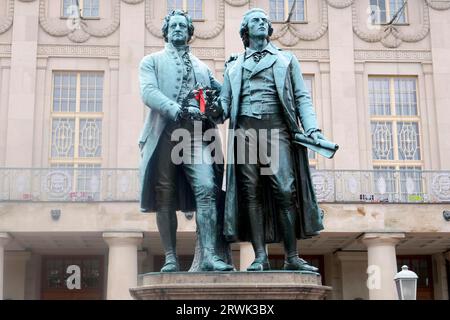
430 119
353 275
324 91
382 264
440 44
5 65
344 108
333 277
22 85
4 239
440 277
122 263
131 108
15 268
247 255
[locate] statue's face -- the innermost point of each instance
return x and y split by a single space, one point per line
178 32
258 25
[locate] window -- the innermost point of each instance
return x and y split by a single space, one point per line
395 131
76 139
89 8
193 7
279 10
382 11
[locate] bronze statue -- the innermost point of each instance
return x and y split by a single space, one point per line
264 90
170 83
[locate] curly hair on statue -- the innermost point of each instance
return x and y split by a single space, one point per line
243 31
165 27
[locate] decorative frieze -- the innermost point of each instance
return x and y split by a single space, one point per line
311 54
199 52
393 55
77 51
5 50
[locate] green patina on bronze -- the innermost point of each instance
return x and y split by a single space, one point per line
166 79
264 73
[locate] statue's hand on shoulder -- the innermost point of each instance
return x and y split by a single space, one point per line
214 108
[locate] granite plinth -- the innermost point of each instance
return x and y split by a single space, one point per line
267 285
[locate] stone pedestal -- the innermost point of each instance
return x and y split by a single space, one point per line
270 285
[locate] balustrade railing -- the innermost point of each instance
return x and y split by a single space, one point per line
332 186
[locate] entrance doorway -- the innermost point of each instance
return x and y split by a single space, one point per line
55 273
422 266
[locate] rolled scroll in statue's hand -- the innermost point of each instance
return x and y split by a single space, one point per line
323 147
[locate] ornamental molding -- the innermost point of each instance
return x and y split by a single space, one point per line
5 50
340 4
438 4
201 53
237 3
392 36
77 51
133 1
84 30
289 34
390 55
6 22
203 30
311 54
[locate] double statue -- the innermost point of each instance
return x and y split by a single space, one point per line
263 97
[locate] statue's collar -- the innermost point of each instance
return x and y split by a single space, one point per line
180 50
270 48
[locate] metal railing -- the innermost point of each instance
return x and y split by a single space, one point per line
331 186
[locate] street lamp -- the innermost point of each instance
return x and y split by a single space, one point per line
406 282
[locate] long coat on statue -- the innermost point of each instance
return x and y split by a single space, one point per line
160 76
296 103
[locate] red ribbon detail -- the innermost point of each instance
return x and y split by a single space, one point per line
201 99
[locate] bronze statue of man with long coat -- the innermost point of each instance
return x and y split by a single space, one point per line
263 89
167 80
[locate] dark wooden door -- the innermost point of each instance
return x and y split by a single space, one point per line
54 276
422 266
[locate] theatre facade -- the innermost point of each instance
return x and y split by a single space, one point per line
71 112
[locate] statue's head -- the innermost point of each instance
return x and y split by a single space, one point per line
256 24
178 27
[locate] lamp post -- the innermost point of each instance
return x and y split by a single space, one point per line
406 283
